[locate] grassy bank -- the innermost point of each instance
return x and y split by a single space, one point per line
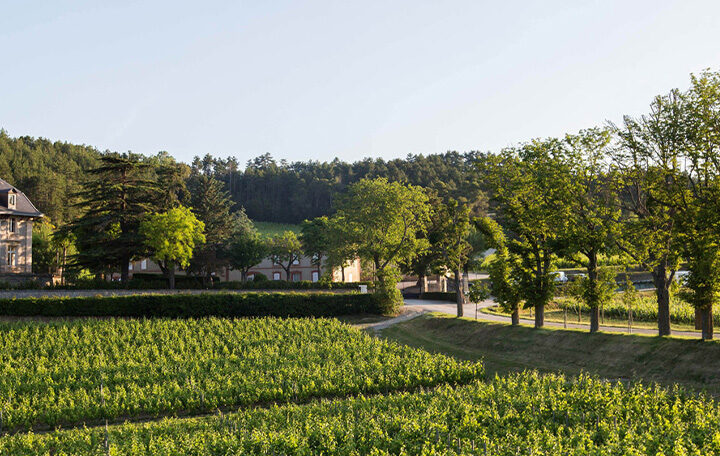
506 349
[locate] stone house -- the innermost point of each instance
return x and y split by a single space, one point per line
17 214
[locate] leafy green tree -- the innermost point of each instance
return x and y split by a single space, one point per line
284 250
648 181
383 220
246 249
452 244
211 204
529 185
505 269
172 237
699 216
316 239
593 215
116 196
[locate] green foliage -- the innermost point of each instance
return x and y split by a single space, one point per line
285 249
116 196
245 250
172 236
530 188
520 414
212 205
595 293
292 192
197 305
386 292
383 221
70 373
504 268
479 291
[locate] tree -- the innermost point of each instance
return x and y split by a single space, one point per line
529 185
316 239
647 173
699 214
211 204
592 214
452 245
245 250
116 196
505 269
383 220
284 250
172 237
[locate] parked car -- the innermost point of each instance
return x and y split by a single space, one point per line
560 277
681 277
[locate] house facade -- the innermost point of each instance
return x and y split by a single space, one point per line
303 269
17 214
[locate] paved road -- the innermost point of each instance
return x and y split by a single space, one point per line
415 307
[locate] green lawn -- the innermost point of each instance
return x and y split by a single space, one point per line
504 349
271 229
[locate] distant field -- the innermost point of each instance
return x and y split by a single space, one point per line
271 229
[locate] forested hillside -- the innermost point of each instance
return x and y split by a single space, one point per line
48 172
269 190
291 192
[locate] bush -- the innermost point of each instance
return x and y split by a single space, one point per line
389 297
198 305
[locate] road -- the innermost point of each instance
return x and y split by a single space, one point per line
416 307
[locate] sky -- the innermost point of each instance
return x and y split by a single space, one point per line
316 80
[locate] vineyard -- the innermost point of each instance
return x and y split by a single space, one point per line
75 372
517 415
681 312
309 386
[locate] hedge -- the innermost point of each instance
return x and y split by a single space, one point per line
198 305
186 283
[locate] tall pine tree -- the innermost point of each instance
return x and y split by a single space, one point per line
116 196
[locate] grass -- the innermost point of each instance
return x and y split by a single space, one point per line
505 349
269 229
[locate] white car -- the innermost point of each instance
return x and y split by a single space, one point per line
681 277
560 277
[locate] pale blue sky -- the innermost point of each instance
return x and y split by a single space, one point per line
316 80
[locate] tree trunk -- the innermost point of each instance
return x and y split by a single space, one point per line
171 276
342 273
466 280
459 295
125 269
422 285
243 275
594 319
698 319
515 317
662 292
539 315
707 322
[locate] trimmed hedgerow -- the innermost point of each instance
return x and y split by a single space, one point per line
197 305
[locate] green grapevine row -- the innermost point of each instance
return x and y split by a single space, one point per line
84 371
523 414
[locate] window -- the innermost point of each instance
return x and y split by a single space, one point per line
12 256
315 276
349 277
296 261
296 276
13 225
276 276
130 266
11 200
143 264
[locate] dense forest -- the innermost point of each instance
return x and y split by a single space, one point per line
269 190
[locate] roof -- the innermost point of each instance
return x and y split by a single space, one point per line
23 206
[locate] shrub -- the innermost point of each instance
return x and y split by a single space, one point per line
198 305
